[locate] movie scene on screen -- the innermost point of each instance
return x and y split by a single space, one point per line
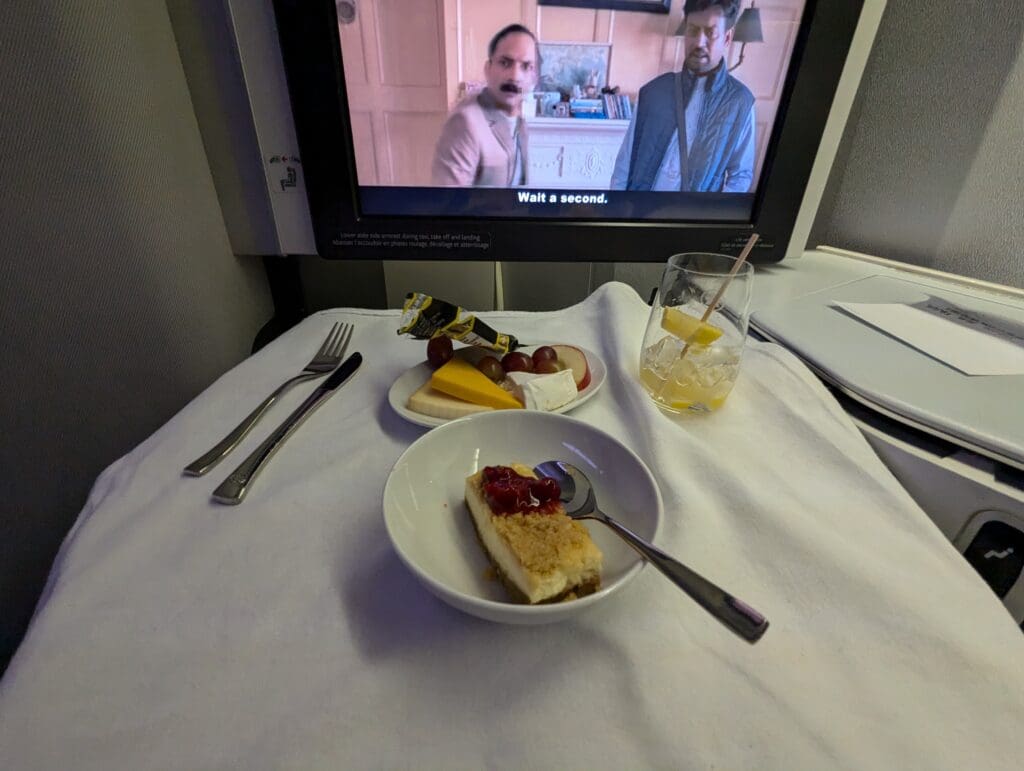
471 109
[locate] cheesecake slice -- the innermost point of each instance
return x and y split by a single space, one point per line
540 554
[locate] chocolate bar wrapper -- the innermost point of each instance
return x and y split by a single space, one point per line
424 317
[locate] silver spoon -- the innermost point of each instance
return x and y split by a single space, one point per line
581 503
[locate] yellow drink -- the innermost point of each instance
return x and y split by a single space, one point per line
700 381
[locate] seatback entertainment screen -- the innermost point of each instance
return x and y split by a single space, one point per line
470 110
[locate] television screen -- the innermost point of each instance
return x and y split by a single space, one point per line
566 130
585 113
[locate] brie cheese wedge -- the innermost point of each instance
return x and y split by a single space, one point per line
543 392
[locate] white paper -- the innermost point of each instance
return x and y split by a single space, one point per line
972 342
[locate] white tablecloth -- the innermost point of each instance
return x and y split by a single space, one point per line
285 633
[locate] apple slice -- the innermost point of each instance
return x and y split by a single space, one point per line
574 359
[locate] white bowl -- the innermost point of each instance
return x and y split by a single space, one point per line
427 520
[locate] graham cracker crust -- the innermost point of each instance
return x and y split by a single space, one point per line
515 594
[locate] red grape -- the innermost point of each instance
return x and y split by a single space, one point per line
544 353
517 362
548 366
491 367
439 350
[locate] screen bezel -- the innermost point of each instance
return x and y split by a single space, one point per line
311 47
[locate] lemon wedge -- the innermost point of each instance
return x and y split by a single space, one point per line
689 328
710 405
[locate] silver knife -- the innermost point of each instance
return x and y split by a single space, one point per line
233 489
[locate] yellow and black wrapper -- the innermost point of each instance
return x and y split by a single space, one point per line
424 317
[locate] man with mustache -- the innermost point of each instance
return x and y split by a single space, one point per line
483 142
693 130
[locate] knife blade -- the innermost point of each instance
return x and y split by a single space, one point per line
233 489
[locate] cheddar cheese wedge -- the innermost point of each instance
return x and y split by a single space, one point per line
462 380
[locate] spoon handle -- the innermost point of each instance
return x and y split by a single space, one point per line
731 611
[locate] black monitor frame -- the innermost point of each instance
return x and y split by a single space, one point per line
311 48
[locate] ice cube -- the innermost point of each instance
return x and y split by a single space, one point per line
709 377
684 370
660 356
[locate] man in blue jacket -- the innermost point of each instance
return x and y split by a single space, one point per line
693 130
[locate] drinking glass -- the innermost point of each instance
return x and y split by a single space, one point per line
687 366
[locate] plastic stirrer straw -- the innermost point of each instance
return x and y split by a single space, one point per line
735 268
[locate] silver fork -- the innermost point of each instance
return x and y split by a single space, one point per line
325 360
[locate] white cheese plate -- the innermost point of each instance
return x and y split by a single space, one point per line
412 379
